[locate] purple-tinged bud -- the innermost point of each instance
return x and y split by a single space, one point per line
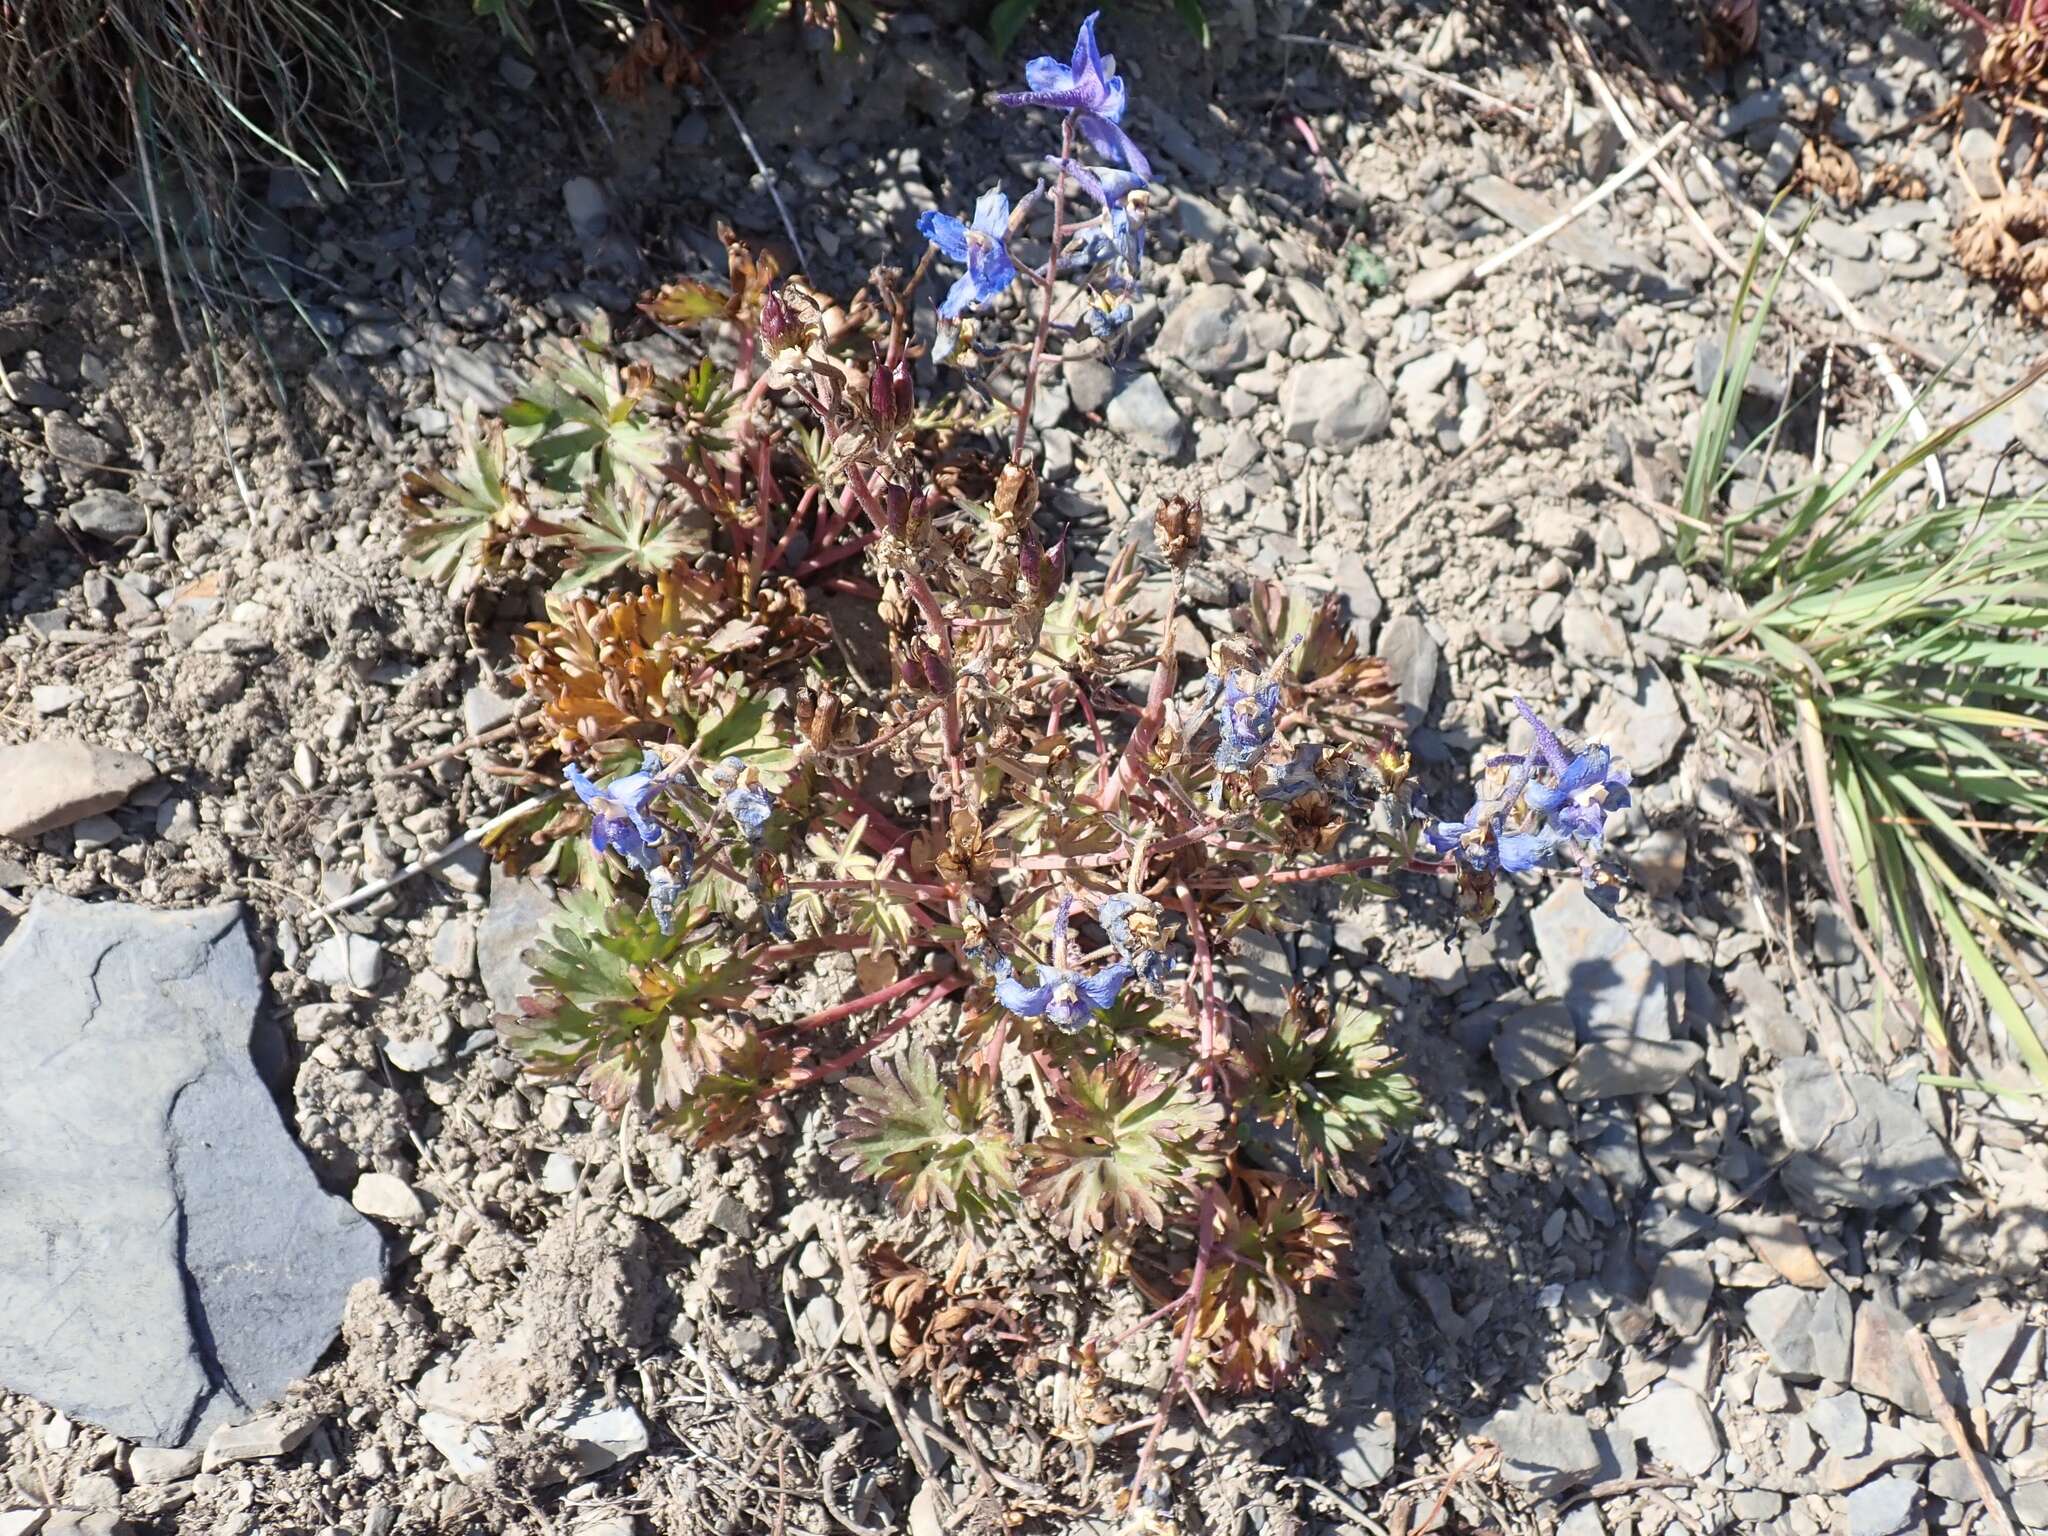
895 509
1030 557
882 397
910 669
904 387
1054 575
937 674
778 324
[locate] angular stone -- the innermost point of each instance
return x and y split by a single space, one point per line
1841 1422
1806 1333
1887 1506
1363 1445
1675 1422
1535 1043
1207 331
1609 982
1883 1361
519 913
1335 403
1856 1140
1683 1290
275 1434
1579 241
149 1464
169 1260
1546 1452
388 1198
111 515
1642 719
1413 660
1622 1065
1143 416
57 780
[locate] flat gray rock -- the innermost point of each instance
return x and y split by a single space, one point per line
1622 1065
1856 1141
1609 982
169 1261
1546 1452
1579 242
1806 1333
1207 331
58 780
1336 403
517 918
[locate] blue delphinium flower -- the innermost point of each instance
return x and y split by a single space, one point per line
622 822
1118 234
1065 998
744 800
775 915
1132 923
982 246
1088 89
1246 715
620 819
1582 788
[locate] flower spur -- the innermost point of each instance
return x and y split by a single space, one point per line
1090 91
1065 998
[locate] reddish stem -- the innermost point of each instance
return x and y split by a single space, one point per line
1177 1371
1115 856
1297 876
1146 733
895 1027
1052 267
847 1010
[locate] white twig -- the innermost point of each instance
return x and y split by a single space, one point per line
768 177
468 839
1825 287
1393 60
1592 199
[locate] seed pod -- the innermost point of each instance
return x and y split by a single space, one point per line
1177 528
1016 493
895 509
905 388
823 723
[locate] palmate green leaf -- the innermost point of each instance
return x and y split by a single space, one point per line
632 1013
935 1149
579 423
620 529
1332 1081
458 520
1126 1139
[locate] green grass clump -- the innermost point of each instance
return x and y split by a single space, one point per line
1902 645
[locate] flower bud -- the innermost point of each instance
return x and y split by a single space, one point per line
1030 558
937 674
882 398
778 323
1054 574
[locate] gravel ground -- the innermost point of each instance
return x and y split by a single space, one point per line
1660 1252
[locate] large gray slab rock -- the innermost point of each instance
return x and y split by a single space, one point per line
58 780
168 1259
1546 1452
518 917
1856 1140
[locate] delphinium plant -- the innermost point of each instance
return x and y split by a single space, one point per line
1032 845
